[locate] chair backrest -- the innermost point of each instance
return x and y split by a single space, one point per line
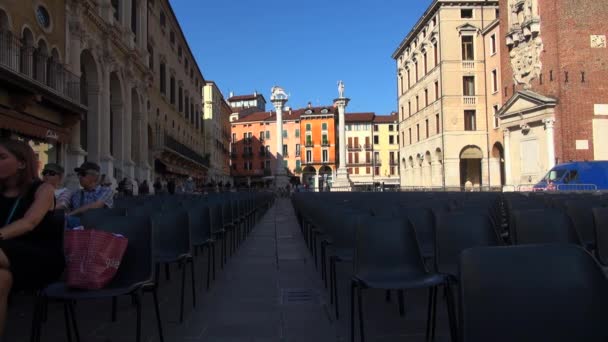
215 216
171 233
600 218
539 226
532 293
387 245
423 222
92 215
136 266
199 224
582 219
455 232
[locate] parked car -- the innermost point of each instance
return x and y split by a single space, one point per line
572 176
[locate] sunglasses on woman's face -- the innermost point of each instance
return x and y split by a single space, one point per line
85 173
49 173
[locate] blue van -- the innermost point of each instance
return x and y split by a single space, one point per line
576 176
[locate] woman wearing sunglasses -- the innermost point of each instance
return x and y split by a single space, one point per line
31 253
53 175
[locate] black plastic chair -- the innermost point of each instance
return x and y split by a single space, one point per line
600 218
532 293
217 228
172 245
540 226
200 236
134 276
387 256
91 216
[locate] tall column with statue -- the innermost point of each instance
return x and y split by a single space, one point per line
278 98
342 182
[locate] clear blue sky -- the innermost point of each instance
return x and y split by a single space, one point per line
303 46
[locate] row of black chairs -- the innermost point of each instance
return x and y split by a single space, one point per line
162 230
403 241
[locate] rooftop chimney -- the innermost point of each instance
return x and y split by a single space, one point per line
309 105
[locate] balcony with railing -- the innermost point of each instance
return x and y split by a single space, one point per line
394 162
368 147
309 143
468 65
325 143
359 163
28 69
185 151
247 154
469 100
353 148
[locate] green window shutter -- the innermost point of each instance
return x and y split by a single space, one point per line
324 126
297 133
267 134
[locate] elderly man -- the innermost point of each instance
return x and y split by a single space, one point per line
92 195
53 174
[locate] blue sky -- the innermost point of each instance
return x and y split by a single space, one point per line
303 46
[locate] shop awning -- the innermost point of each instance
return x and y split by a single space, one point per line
33 127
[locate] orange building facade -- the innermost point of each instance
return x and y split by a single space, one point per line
309 146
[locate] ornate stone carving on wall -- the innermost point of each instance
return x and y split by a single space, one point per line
524 41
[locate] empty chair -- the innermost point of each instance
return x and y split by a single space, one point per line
532 293
172 245
387 256
91 216
200 235
582 219
541 226
455 232
600 218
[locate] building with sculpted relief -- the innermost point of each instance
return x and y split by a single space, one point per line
446 132
108 81
554 83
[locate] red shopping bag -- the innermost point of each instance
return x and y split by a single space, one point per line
92 257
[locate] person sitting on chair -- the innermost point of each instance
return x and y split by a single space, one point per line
53 175
31 252
91 196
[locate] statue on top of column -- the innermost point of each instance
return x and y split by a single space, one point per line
341 89
278 93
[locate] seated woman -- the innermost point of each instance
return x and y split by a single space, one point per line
31 254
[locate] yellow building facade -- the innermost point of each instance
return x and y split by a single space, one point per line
442 106
386 149
216 122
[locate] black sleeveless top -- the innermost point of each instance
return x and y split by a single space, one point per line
43 231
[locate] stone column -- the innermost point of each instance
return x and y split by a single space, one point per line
280 174
126 136
436 169
549 122
452 172
485 172
507 141
102 128
342 179
75 153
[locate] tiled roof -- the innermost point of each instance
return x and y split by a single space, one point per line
293 114
386 118
245 97
359 117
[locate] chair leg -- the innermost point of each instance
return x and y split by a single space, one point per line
434 321
157 274
181 307
401 303
193 283
114 304
429 314
314 251
323 265
36 318
137 299
213 256
167 272
158 320
208 266
451 313
73 318
331 280
337 303
353 285
68 327
387 296
360 302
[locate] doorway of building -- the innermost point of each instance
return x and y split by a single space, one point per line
470 166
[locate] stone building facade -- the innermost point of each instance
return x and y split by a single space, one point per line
360 161
216 115
554 83
442 102
40 98
386 149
